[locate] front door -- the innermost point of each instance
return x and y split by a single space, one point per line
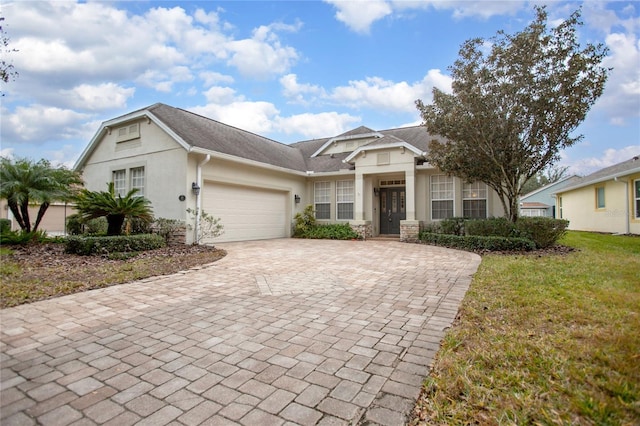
392 210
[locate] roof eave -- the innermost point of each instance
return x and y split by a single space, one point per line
345 138
365 148
612 176
246 161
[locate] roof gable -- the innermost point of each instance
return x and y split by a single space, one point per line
608 173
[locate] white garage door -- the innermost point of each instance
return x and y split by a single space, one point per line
247 213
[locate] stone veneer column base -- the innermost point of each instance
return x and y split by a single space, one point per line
409 230
364 229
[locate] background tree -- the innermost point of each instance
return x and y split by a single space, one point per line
24 182
550 175
7 70
515 107
116 208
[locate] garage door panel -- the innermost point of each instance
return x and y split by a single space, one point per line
247 213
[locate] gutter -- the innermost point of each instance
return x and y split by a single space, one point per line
198 196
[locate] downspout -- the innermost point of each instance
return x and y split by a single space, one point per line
626 208
198 196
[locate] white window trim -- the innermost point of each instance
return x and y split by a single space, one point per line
315 198
635 199
352 202
432 199
481 186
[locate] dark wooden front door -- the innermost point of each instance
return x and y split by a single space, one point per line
392 210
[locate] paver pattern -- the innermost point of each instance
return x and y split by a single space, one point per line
278 332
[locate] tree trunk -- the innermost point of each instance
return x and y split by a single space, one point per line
114 222
41 211
24 211
15 210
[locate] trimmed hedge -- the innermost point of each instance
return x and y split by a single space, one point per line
478 243
86 246
5 226
491 227
334 231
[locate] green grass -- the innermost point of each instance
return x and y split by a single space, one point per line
544 340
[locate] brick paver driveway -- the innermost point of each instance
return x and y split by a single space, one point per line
280 331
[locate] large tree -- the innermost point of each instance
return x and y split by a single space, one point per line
116 208
7 70
24 182
516 102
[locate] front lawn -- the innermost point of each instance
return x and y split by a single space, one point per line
550 339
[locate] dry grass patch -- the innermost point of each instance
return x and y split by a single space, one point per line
41 271
544 340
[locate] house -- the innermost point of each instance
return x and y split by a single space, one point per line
542 201
376 181
53 222
605 201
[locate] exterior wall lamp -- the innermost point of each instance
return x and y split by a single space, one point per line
195 188
376 191
296 198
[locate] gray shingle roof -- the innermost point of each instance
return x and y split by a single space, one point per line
621 169
203 132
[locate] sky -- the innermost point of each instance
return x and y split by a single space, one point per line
287 70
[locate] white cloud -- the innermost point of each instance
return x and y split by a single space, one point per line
609 157
256 117
296 92
316 125
97 97
221 95
40 123
377 93
211 77
621 98
263 54
359 15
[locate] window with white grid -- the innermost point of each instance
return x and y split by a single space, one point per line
474 200
322 199
442 193
345 190
119 180
137 180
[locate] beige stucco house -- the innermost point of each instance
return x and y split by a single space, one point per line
53 221
377 181
605 201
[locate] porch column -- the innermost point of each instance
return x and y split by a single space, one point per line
359 195
410 188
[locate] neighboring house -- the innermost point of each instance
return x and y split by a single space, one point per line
542 201
377 181
605 201
53 222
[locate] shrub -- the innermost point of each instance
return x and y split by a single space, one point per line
22 237
97 226
335 231
86 246
5 226
304 222
452 226
543 231
75 225
166 228
495 226
136 226
478 243
208 226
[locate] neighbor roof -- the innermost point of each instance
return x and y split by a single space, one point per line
608 173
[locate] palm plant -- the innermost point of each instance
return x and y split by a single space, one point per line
116 208
24 182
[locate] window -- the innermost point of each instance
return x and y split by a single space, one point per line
322 199
441 197
560 208
474 200
137 180
600 197
129 132
345 190
120 182
636 185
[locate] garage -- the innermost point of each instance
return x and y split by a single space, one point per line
247 213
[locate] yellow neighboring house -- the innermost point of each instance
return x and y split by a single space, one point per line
605 201
53 222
